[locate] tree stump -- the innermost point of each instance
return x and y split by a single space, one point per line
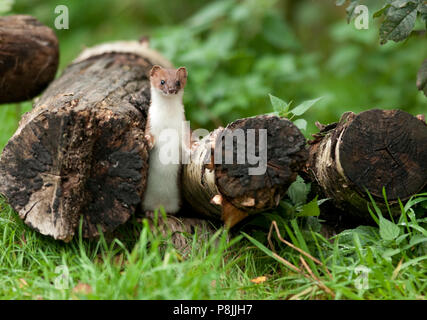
29 57
226 190
81 150
367 152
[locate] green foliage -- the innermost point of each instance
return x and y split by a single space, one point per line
422 78
388 230
281 108
232 50
298 191
394 256
6 6
399 22
400 17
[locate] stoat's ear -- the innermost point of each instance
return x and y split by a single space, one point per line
182 75
182 72
155 69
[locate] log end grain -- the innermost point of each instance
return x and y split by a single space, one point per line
385 148
285 156
29 56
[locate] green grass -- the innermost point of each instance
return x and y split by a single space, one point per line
143 265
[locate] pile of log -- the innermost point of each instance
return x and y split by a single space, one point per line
80 153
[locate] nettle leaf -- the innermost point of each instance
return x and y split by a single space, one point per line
298 191
279 106
422 78
388 230
382 11
399 22
310 209
277 103
303 107
301 124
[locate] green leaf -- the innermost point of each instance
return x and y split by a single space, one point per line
388 230
301 124
390 252
298 191
277 103
210 13
382 11
423 11
280 107
422 78
399 22
277 32
6 5
310 209
303 107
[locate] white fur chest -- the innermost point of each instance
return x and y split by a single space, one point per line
166 113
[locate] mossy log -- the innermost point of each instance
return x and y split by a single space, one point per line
367 152
227 190
29 57
81 150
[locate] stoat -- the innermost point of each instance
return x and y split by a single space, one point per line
165 139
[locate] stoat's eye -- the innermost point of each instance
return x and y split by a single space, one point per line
177 83
162 82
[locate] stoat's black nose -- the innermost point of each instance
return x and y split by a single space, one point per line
172 91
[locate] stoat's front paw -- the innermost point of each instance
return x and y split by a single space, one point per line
150 141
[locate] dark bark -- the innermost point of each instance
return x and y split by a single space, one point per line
28 57
366 152
81 151
227 191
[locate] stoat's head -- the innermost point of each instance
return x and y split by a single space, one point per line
168 81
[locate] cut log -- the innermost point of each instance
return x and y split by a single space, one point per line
367 152
81 151
29 57
231 190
